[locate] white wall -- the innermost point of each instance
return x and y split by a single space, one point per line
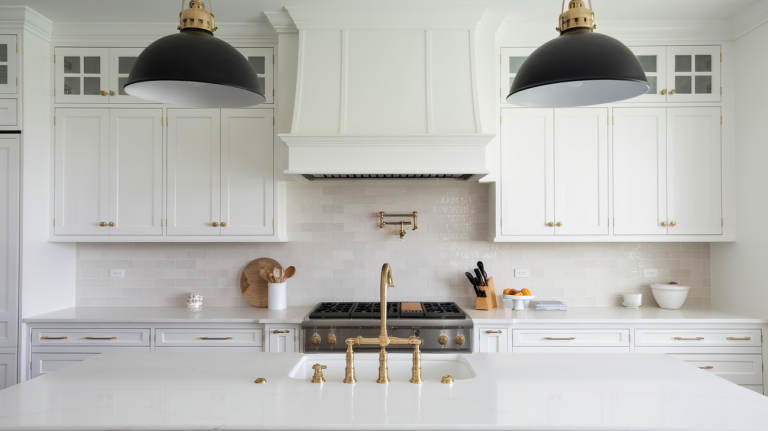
737 268
47 269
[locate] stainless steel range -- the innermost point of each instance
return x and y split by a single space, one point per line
443 326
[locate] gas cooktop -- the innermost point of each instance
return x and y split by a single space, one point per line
395 310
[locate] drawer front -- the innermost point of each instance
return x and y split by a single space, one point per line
8 112
570 349
209 337
698 337
578 337
90 337
739 369
44 363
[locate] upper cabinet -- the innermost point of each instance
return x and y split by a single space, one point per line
9 83
263 62
511 59
120 63
680 73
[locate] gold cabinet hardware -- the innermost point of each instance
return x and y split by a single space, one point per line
447 379
315 340
664 91
559 224
102 338
493 332
331 339
708 367
559 339
663 223
209 338
739 339
281 332
102 224
111 224
688 339
318 376
443 340
111 93
672 91
460 340
215 224
53 338
672 223
103 93
223 224
550 224
260 381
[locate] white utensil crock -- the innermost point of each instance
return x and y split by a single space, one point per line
276 297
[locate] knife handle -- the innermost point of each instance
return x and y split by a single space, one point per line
479 277
482 269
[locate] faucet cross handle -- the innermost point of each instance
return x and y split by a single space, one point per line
318 376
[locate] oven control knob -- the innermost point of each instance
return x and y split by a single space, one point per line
459 340
315 340
331 339
442 340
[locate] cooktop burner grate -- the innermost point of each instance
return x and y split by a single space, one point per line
332 310
372 310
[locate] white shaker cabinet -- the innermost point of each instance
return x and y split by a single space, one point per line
493 340
108 172
283 340
262 60
7 370
653 60
82 75
121 61
8 64
9 239
693 73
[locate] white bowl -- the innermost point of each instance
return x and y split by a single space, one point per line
670 296
516 302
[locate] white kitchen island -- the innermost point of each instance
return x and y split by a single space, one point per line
172 391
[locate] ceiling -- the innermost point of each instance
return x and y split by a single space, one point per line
251 10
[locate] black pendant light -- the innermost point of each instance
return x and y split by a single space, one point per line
193 68
578 68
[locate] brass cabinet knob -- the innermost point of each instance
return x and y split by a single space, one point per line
111 93
442 340
663 223
460 340
223 224
315 340
103 93
111 224
102 224
672 91
331 339
260 381
672 223
550 224
664 91
559 224
215 224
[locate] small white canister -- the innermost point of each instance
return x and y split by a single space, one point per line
194 301
276 296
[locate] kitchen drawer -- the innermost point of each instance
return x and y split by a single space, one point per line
698 337
565 337
90 337
209 337
44 363
570 349
739 369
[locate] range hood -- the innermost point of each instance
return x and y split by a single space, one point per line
383 96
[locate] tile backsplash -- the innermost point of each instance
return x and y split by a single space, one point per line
338 249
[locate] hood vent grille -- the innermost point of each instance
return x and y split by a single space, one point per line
312 177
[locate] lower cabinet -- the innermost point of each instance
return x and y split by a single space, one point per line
44 363
739 369
7 370
215 337
493 340
283 339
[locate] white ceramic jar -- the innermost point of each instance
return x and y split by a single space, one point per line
276 296
670 296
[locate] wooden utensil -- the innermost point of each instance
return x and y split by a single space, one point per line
278 274
252 285
289 272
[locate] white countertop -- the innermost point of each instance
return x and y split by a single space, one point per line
171 315
178 391
613 315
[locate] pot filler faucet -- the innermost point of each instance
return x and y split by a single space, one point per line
384 340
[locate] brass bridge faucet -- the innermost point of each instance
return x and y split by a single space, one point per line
384 340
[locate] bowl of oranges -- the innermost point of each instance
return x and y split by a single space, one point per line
516 299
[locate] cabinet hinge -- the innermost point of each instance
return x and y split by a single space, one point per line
630 338
273 121
54 221
161 222
17 46
30 366
273 92
722 222
273 59
721 91
273 222
54 91
614 222
721 57
54 121
500 57
161 121
721 119
166 222
500 222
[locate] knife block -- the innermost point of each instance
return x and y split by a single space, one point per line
490 300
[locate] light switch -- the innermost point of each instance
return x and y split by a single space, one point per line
651 273
116 273
522 273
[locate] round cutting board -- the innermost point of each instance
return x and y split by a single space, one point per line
253 287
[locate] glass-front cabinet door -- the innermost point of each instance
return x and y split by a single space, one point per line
82 75
511 59
8 82
263 62
120 63
653 60
693 73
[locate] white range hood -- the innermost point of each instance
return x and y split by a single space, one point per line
385 93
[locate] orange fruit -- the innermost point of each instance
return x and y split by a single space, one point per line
526 292
513 291
507 291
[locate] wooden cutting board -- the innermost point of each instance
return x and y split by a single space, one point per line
253 287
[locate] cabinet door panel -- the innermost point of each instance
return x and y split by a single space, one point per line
653 61
82 171
81 75
527 172
694 173
494 340
262 61
9 112
8 64
247 172
282 340
120 63
511 60
194 171
639 171
9 240
693 72
581 171
136 170
7 370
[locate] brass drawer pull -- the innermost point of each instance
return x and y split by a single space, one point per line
493 332
708 367
560 339
207 338
739 339
281 332
53 338
688 339
96 338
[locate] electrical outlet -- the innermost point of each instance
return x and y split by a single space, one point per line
116 273
651 273
522 273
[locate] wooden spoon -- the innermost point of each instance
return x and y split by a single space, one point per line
264 274
278 274
289 272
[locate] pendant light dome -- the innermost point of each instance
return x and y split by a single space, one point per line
195 69
578 68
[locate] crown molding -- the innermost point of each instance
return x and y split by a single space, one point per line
281 21
750 19
386 17
26 18
120 34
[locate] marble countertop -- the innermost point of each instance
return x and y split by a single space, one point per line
176 391
171 315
